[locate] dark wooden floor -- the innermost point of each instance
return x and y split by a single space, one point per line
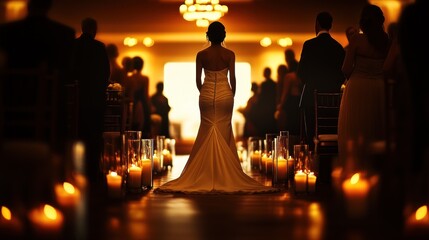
282 215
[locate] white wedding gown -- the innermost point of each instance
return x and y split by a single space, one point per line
213 165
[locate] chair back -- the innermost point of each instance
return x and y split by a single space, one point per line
327 107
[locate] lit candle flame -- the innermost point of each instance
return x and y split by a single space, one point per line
68 187
113 174
6 213
421 212
50 212
355 178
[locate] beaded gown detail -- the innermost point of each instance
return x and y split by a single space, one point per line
213 165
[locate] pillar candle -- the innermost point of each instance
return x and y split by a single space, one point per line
114 185
281 168
147 172
311 179
269 165
356 192
300 181
290 167
135 177
156 162
255 158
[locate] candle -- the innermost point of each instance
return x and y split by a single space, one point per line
255 158
147 172
67 195
300 181
311 178
417 224
46 220
156 163
167 160
290 167
10 225
281 168
268 164
356 192
135 177
79 153
114 185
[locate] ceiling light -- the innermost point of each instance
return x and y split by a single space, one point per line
202 11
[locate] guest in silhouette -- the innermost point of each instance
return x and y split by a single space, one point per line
160 103
39 41
117 74
288 105
91 70
413 50
282 70
362 117
265 106
249 125
138 88
319 68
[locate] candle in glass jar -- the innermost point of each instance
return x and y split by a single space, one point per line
290 166
156 162
255 158
114 185
300 181
135 177
167 160
311 179
46 220
356 191
147 172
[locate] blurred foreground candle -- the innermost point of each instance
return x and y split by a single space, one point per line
46 221
311 178
356 192
168 159
67 195
114 185
300 181
417 224
10 225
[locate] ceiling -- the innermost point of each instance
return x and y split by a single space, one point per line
245 18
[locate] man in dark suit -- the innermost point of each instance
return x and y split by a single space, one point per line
91 71
319 68
37 41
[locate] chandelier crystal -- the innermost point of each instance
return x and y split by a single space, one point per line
202 11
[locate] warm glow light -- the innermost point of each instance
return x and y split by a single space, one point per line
355 178
421 212
202 11
15 9
68 187
148 42
284 42
6 213
50 212
265 42
130 41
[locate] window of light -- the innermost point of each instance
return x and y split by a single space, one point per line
181 90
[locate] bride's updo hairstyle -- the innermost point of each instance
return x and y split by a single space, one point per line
216 32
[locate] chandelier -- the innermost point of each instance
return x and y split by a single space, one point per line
202 11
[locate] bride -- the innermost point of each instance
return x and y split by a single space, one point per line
213 165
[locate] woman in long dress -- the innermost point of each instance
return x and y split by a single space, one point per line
213 165
361 122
